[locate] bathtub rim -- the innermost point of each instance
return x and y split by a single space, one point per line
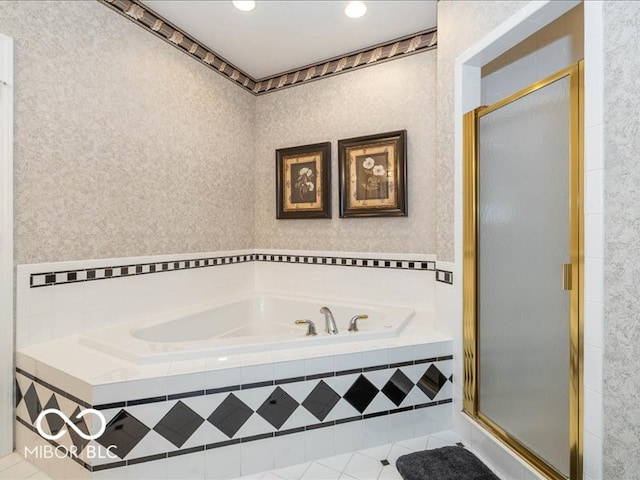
94 341
82 369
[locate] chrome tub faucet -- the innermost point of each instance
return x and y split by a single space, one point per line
330 323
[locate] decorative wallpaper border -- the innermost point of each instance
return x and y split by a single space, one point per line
146 18
415 43
62 277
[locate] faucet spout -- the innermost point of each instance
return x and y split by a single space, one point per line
329 321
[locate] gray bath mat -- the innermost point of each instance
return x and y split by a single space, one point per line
446 463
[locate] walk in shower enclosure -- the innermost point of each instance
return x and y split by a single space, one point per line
522 286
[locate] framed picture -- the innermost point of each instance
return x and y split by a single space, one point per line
303 181
373 175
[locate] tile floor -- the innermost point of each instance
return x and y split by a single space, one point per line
367 464
377 463
14 467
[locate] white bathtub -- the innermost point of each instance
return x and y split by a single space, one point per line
255 323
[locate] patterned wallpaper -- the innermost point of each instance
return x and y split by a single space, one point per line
460 25
622 244
123 145
392 96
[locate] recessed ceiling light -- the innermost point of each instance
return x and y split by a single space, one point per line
245 6
355 9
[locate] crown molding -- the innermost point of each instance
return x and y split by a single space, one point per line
146 18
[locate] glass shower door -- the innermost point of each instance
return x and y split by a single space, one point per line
526 239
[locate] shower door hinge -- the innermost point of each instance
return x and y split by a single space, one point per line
566 276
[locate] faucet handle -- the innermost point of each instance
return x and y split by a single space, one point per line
353 323
311 329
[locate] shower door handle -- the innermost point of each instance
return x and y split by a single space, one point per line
566 277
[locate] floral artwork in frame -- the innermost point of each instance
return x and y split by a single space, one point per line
373 175
303 181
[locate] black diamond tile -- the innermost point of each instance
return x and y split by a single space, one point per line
321 400
32 402
179 424
230 415
81 424
55 422
361 393
18 393
278 407
125 432
384 462
432 381
398 387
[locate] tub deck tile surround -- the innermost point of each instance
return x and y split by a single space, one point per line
222 413
231 415
403 398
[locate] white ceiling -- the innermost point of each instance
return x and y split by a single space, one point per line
284 35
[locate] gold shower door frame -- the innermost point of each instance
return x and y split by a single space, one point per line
574 271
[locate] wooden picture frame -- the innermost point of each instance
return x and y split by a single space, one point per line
303 181
373 175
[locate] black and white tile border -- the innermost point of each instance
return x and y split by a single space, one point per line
32 395
118 271
349 261
146 18
62 277
408 386
444 276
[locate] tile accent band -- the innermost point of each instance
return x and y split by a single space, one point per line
155 24
270 383
227 389
226 443
53 388
211 446
245 439
61 277
444 276
55 444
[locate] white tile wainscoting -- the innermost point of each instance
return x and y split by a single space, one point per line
227 422
58 310
244 413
